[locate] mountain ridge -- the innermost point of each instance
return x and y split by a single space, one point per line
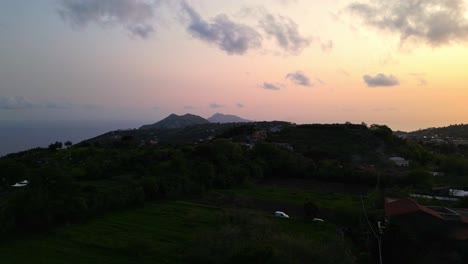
223 118
182 121
177 121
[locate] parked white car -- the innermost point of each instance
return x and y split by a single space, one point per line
281 214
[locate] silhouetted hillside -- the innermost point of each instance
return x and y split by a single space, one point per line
452 131
222 118
176 121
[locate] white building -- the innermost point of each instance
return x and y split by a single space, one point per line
458 193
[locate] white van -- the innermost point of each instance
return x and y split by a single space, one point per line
281 214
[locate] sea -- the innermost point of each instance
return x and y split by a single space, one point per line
18 136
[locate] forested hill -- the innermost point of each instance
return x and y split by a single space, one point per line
453 131
187 134
72 183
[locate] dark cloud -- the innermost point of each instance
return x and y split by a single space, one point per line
240 105
286 33
271 86
16 102
435 22
381 80
299 78
189 107
143 31
231 37
134 15
216 105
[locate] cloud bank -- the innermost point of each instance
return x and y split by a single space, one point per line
235 38
434 22
381 80
299 78
134 15
16 102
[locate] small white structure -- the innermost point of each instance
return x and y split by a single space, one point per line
318 220
21 184
399 161
458 193
281 214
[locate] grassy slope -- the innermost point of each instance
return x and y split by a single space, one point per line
329 200
159 229
157 233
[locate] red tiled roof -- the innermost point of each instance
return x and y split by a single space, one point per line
407 206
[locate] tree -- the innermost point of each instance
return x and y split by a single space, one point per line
418 178
68 144
55 146
381 131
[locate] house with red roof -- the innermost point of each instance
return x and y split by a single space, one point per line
429 221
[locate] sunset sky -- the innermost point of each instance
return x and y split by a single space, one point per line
403 63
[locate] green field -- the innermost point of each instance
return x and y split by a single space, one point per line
329 200
153 234
161 232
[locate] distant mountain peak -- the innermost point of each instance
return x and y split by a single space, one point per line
222 118
177 121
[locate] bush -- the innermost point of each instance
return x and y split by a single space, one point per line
420 179
310 209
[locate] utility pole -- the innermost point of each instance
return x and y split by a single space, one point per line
378 235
